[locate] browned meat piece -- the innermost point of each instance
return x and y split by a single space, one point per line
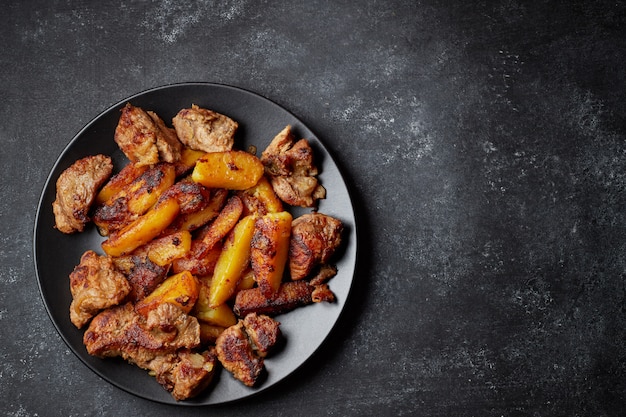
325 273
144 276
292 171
144 140
95 285
205 130
242 347
314 238
236 355
161 343
185 374
322 293
290 295
262 331
168 145
120 331
76 191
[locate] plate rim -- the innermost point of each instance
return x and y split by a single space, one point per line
50 178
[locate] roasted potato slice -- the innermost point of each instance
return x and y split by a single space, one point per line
165 250
234 170
270 249
221 315
142 230
232 262
181 290
119 181
261 198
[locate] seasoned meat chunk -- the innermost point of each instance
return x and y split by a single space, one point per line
76 191
121 331
160 343
290 295
144 138
95 285
205 130
292 171
314 238
236 355
242 347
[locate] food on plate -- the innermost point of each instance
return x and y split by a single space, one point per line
241 348
95 285
269 250
292 171
144 138
76 190
162 343
204 129
201 248
314 239
233 170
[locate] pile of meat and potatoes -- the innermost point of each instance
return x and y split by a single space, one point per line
201 252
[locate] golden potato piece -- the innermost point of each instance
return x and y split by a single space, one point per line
165 250
232 262
221 315
142 230
181 290
270 249
233 170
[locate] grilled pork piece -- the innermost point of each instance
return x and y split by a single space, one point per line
292 171
144 138
290 296
242 347
314 239
95 285
205 130
76 191
160 343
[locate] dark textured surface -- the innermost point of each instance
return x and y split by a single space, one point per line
485 146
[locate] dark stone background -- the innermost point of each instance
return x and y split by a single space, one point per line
484 143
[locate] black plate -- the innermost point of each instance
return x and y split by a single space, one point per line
260 120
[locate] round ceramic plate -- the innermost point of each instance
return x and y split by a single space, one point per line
259 119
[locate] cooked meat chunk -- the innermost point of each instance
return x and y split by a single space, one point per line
121 331
322 293
76 190
262 331
144 276
290 295
190 195
292 171
236 355
144 138
314 238
161 343
185 374
168 145
95 285
205 130
242 347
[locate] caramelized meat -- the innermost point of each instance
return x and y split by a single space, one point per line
190 195
76 191
185 374
314 238
242 347
121 331
290 296
161 343
144 138
205 130
144 276
95 285
292 171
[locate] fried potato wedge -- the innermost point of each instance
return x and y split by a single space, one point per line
142 230
209 333
232 262
119 181
221 315
234 170
270 249
181 289
164 250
